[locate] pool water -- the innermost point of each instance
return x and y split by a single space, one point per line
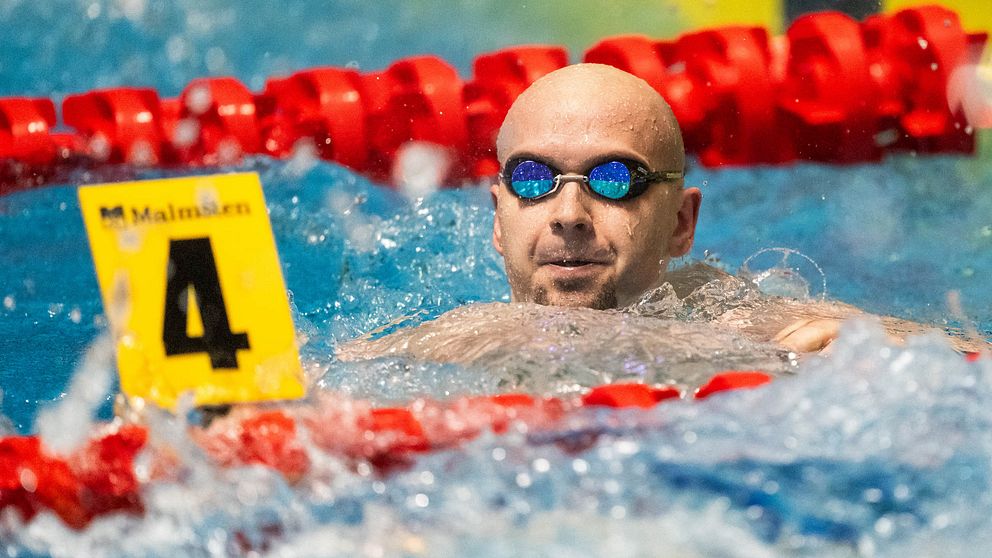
357 255
875 450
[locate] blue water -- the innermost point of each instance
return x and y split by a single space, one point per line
874 451
868 452
356 255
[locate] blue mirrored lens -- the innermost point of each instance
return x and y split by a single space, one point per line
531 179
611 180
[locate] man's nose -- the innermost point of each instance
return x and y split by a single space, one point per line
571 208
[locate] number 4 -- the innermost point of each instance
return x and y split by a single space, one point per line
192 265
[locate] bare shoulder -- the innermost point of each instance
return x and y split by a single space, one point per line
798 325
805 326
697 308
462 335
533 345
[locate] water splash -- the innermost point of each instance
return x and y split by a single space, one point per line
68 423
420 168
969 91
877 449
783 278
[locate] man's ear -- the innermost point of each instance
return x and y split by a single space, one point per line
497 232
685 225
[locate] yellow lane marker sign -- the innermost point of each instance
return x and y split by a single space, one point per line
192 288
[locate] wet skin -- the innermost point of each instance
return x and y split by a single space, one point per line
574 248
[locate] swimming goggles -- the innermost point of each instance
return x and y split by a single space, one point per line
614 180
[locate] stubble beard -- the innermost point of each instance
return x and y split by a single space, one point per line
568 293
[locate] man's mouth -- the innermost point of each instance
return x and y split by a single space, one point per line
573 266
573 263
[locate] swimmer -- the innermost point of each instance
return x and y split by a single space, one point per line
590 207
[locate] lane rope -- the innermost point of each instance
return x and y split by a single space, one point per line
831 89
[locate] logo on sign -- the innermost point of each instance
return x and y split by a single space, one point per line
112 216
118 216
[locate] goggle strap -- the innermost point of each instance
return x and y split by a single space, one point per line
660 175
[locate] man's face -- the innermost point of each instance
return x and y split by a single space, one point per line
573 248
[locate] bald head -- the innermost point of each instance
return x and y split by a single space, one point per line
572 99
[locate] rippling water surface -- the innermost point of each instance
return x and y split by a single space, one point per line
875 450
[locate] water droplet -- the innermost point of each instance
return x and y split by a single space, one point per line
133 9
99 147
177 49
228 151
186 132
29 481
499 454
754 513
215 60
901 492
523 480
884 526
198 100
142 154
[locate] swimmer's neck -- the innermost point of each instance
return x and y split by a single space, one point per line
684 280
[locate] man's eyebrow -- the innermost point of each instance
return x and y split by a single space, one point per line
599 159
617 156
528 156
